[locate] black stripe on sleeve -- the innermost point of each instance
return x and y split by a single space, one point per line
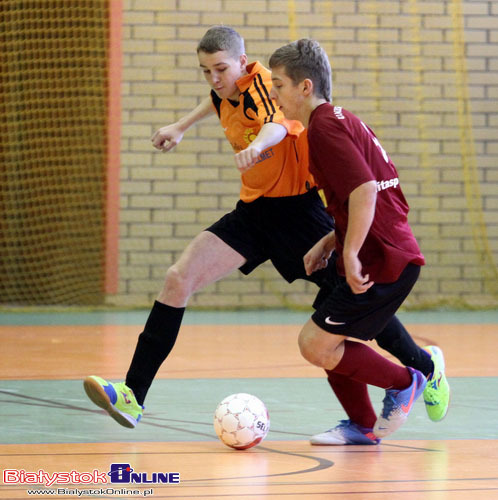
263 86
256 86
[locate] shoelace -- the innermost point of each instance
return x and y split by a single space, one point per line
430 395
389 403
342 424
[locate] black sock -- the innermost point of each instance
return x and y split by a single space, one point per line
397 341
153 346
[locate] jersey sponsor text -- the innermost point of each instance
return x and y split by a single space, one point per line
390 183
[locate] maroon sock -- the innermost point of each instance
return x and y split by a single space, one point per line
363 364
354 398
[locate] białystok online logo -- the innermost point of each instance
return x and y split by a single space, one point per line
118 474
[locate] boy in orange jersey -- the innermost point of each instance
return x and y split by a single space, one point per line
279 217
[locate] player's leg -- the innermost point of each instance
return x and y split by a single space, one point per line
363 316
429 360
334 353
362 364
397 341
206 259
358 428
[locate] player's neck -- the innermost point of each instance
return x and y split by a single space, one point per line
236 95
310 105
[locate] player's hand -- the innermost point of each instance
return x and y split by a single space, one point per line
316 258
247 158
167 138
354 277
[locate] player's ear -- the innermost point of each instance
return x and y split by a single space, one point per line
307 87
243 61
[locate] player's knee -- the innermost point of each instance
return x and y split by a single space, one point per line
320 348
310 350
176 283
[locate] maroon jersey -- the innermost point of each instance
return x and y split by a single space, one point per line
345 153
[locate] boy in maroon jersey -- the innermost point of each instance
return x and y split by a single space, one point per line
372 254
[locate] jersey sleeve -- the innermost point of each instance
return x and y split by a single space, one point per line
265 108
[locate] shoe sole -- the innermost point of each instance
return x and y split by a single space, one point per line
98 396
325 442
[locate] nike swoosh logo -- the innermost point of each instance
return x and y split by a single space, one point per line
406 408
330 322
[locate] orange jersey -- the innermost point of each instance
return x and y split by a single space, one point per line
282 170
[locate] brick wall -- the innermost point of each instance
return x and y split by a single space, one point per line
394 65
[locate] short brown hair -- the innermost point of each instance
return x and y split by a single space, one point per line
305 59
219 38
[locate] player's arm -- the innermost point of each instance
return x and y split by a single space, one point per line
319 254
269 135
361 208
169 136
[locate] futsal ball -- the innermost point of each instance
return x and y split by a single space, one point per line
241 421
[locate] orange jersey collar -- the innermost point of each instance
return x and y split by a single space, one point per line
244 82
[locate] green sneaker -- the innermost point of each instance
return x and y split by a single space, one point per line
437 390
117 399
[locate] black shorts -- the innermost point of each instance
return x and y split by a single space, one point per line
281 230
362 316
